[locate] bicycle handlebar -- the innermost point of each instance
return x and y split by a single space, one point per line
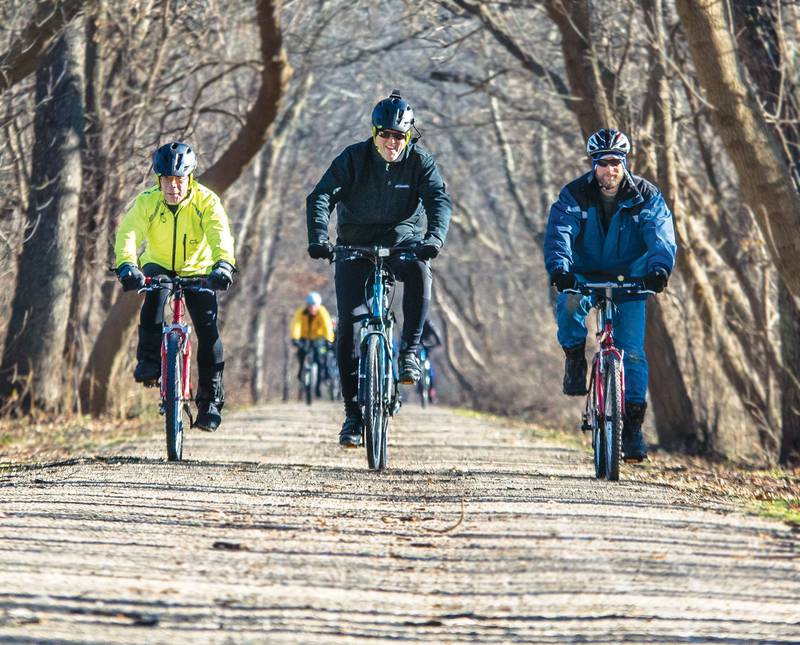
187 284
631 286
370 252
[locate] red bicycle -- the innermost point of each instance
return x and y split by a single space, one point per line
176 352
605 403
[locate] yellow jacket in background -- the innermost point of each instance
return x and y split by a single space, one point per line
190 242
305 327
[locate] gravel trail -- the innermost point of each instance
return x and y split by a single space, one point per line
479 532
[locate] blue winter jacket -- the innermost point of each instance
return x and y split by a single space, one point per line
640 235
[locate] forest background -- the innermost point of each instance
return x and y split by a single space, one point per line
505 95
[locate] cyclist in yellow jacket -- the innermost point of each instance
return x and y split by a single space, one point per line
186 233
311 325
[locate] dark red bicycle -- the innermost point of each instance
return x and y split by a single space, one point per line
176 353
604 413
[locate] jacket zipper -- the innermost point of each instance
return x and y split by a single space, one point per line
184 248
386 201
174 237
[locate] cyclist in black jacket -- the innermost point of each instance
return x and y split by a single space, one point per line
387 191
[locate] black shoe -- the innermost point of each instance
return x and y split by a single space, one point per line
147 372
210 397
208 416
410 368
634 449
575 371
350 435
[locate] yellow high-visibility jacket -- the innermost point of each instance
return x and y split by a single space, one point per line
189 242
305 327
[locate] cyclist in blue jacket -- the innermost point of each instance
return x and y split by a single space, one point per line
606 223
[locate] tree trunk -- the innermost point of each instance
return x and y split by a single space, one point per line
790 378
675 420
764 178
33 360
763 57
27 50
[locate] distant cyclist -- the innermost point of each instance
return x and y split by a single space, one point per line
431 339
387 191
606 223
311 323
186 233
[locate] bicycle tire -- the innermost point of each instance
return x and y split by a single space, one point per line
598 442
374 427
311 382
173 403
613 416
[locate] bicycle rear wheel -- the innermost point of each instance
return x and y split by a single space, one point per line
311 381
374 414
612 421
173 402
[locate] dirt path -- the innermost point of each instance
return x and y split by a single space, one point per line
270 533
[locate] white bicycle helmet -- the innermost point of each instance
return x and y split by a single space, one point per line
313 298
608 142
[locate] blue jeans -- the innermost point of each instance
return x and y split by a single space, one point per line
629 322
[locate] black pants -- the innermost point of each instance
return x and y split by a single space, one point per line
350 290
202 308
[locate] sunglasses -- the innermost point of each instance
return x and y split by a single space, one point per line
608 162
386 134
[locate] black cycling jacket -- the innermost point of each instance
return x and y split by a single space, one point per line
379 202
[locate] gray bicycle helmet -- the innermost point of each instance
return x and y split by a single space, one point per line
174 159
393 113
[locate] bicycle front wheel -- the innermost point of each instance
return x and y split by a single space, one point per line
612 435
173 403
592 416
374 414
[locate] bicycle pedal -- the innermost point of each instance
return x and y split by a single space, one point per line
586 427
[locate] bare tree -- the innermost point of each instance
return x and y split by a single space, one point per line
765 180
31 374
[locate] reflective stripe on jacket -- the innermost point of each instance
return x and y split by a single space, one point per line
189 242
311 328
640 235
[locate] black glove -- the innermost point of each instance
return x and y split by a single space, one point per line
321 250
131 278
221 276
562 280
656 280
429 248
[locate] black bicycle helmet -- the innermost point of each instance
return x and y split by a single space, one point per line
608 141
174 159
393 113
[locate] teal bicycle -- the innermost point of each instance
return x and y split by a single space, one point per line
378 385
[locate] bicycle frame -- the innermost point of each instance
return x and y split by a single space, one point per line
184 332
605 338
379 323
